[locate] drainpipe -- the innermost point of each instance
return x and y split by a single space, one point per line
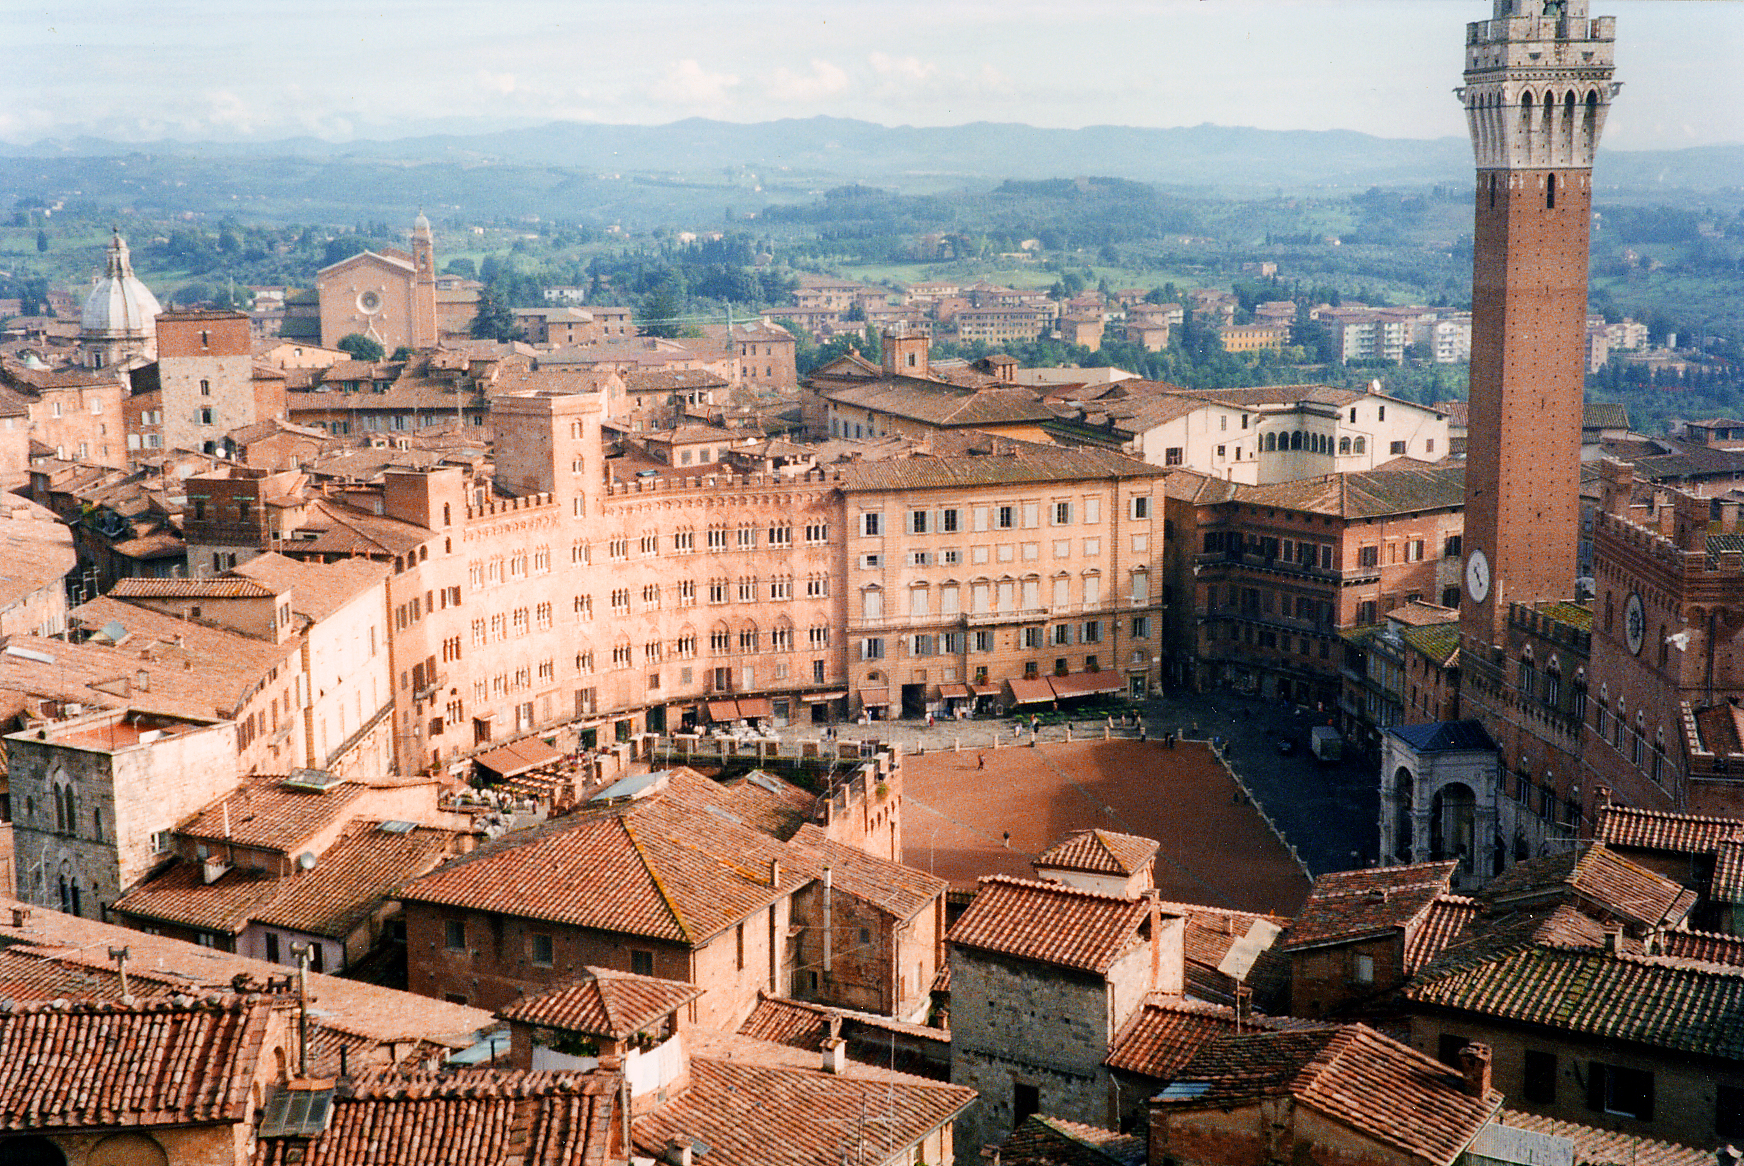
829 932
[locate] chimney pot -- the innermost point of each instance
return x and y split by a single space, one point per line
835 1055
20 916
1474 1064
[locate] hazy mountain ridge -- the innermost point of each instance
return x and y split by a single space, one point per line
828 150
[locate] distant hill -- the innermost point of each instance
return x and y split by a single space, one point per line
796 154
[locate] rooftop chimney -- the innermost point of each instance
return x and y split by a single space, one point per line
1474 1063
775 872
835 1055
678 1152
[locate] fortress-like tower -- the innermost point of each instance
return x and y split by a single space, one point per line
1537 88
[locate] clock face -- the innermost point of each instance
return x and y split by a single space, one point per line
1477 576
1634 623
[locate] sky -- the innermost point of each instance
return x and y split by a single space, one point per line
209 70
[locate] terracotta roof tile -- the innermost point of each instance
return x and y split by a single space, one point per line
1165 1032
1016 462
755 1110
783 1021
898 890
764 802
352 878
1050 923
665 867
1429 933
1727 884
1670 1004
215 588
317 589
475 1118
1349 905
1638 829
1397 488
1600 876
1099 852
1354 1075
1703 946
181 895
1597 1147
603 1002
1053 1141
149 1064
264 813
349 881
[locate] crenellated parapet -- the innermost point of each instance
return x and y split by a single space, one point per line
1538 84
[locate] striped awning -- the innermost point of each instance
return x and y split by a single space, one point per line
1087 683
756 706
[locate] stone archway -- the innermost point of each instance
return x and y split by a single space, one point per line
1404 803
1452 823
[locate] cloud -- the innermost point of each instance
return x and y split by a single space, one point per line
909 68
824 80
688 83
503 83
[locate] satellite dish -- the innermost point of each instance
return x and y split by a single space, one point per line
306 860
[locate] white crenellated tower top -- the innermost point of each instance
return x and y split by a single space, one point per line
1538 84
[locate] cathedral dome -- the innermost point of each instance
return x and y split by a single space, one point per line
120 305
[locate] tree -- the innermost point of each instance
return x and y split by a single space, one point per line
361 347
658 315
494 320
41 240
403 352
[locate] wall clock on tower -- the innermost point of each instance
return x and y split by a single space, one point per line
1634 623
1477 576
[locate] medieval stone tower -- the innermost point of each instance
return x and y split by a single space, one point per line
1537 88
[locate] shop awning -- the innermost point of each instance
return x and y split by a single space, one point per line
519 757
821 697
1030 691
985 689
723 710
1087 683
875 698
756 706
954 691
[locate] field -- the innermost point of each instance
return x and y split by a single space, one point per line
1214 848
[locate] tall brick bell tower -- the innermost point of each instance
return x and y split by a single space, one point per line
1537 88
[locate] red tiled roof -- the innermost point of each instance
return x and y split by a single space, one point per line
783 1021
664 867
265 814
1436 928
1598 1147
1350 905
1368 1082
1704 946
751 1112
157 1063
217 588
1099 852
1602 877
1053 1141
1670 1004
1727 884
764 802
348 882
898 890
483 1117
603 1003
1050 923
1165 1032
1640 829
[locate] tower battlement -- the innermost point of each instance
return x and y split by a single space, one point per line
1538 84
